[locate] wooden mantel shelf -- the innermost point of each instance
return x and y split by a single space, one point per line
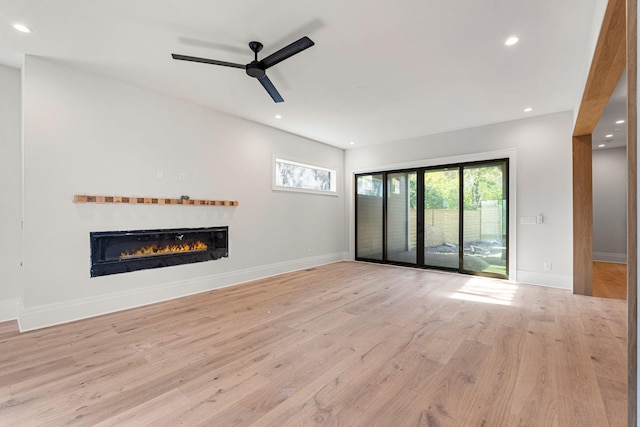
82 198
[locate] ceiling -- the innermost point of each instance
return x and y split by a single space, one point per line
380 71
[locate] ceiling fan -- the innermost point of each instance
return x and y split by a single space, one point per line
257 68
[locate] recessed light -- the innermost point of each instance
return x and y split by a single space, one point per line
601 145
609 135
619 122
352 143
278 116
22 28
528 110
511 41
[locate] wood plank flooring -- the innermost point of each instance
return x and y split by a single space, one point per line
347 344
609 280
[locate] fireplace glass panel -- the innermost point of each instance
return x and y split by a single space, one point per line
122 251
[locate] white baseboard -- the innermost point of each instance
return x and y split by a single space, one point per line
562 281
610 257
9 309
53 314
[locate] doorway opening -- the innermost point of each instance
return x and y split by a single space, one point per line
609 176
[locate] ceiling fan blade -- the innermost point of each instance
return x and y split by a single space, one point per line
206 61
286 52
266 83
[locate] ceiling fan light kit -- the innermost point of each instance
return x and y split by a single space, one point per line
257 68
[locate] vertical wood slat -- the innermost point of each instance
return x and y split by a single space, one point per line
582 216
632 210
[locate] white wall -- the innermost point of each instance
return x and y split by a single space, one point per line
10 191
85 134
610 205
540 148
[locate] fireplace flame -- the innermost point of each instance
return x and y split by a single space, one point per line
157 250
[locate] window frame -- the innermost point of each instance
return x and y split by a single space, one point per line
333 174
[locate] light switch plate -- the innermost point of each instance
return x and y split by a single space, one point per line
528 220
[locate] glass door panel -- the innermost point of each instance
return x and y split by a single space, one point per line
401 217
369 217
442 217
485 218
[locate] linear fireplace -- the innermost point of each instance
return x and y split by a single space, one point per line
115 252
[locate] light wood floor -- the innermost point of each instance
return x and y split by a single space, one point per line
349 344
610 280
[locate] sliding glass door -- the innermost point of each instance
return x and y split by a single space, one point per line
369 217
441 217
401 218
484 190
452 217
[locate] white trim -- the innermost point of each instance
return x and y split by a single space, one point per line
304 190
610 257
439 161
9 309
68 311
562 281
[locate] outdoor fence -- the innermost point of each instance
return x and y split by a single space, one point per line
441 225
480 224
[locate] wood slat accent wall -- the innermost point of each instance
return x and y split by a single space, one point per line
81 198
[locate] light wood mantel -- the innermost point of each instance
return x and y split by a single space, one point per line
82 198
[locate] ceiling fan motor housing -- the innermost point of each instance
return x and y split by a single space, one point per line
255 69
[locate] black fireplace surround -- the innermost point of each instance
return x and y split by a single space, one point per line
115 252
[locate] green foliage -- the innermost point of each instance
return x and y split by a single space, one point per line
441 187
482 184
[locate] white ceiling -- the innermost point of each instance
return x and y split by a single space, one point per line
380 70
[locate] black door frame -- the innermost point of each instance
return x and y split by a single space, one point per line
420 220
